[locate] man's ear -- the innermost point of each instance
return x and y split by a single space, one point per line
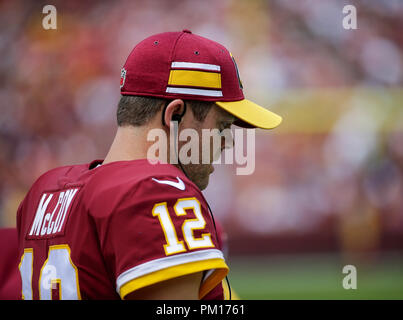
174 111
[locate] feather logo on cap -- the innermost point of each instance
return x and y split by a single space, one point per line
122 77
237 71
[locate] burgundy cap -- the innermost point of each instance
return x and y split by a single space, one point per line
182 65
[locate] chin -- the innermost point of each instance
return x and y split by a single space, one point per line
203 183
200 175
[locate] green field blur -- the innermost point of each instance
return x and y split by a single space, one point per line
315 277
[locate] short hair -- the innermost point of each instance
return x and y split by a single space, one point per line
138 110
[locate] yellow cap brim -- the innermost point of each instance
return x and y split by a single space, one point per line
250 113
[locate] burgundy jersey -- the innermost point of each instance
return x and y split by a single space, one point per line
102 232
10 281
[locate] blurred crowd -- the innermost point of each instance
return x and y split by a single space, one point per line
59 91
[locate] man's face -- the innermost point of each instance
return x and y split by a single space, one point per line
219 120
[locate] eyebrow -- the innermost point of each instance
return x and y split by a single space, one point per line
231 118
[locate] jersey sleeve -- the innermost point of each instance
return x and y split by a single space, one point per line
156 231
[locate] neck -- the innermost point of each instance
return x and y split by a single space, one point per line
130 143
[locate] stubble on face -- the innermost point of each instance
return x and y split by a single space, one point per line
217 118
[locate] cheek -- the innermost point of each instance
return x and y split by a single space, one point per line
210 149
215 152
217 147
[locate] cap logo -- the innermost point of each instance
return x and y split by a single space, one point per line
122 77
199 79
237 72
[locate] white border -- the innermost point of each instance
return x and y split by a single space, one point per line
166 262
197 92
192 65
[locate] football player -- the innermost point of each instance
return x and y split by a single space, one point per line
131 225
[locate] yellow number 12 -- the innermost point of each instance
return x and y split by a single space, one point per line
173 244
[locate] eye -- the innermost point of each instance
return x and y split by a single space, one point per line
225 125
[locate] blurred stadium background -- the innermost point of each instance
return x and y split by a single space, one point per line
328 186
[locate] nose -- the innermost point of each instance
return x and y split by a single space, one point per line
227 142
